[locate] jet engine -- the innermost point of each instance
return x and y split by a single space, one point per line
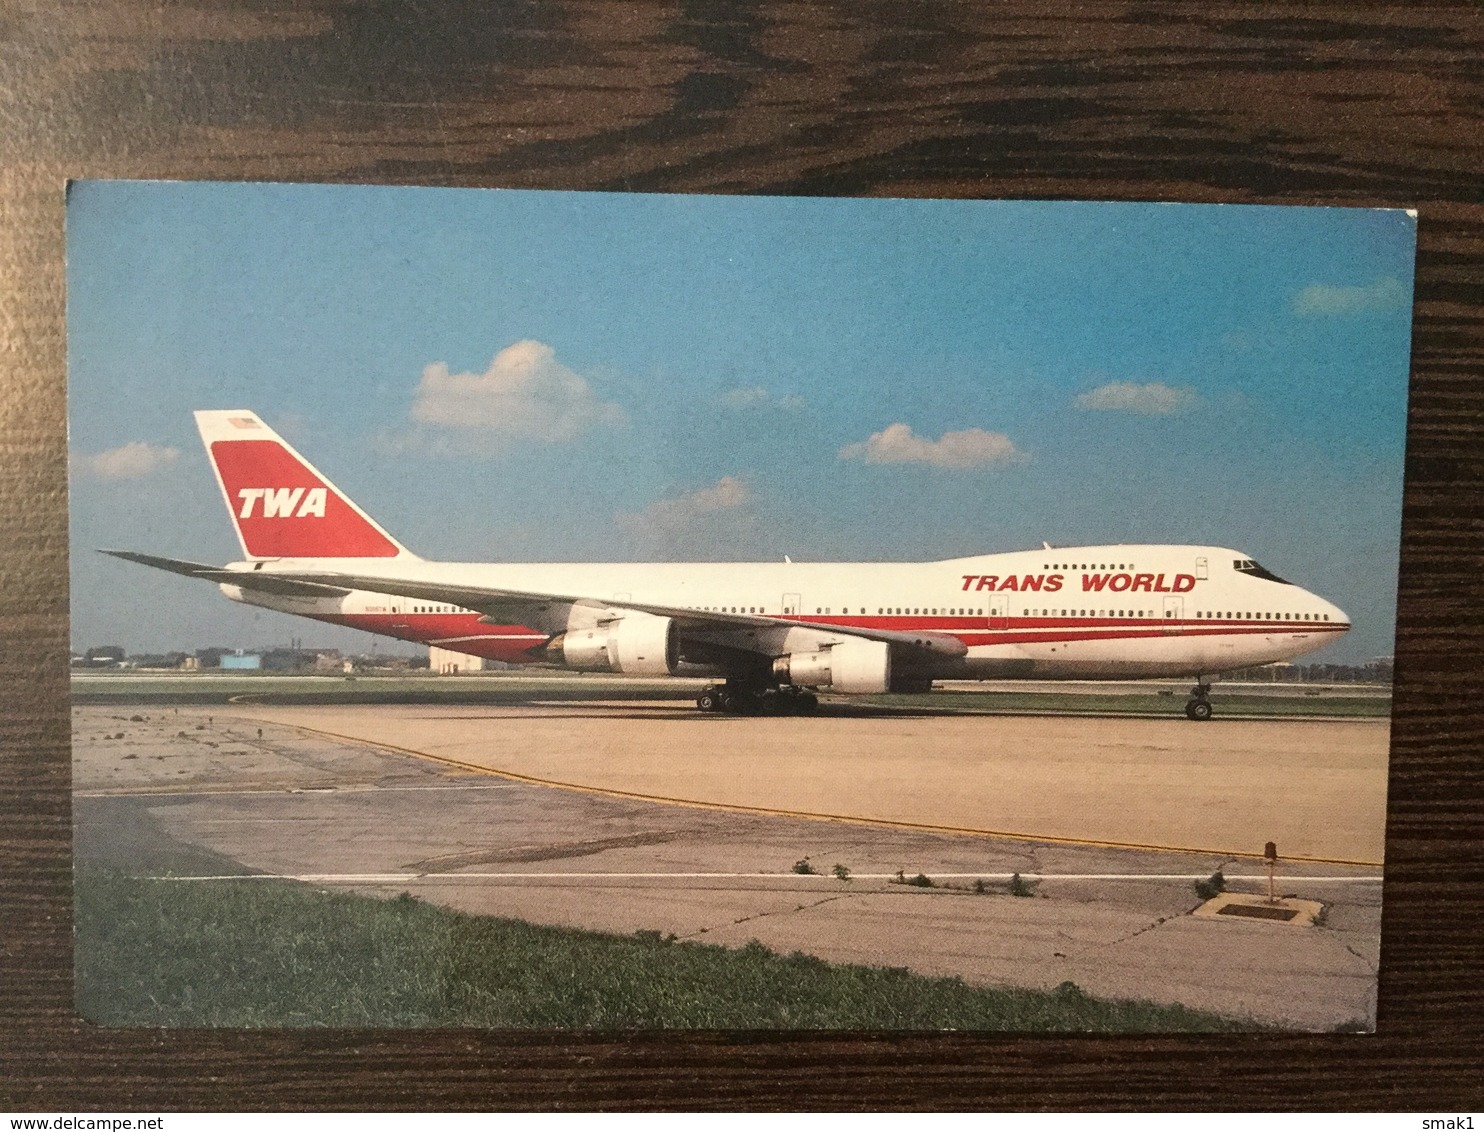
852 665
637 643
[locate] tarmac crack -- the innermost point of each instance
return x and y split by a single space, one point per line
779 912
527 853
1162 920
1371 967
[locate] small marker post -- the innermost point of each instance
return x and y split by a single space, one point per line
1270 851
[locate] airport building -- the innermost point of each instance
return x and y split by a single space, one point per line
446 663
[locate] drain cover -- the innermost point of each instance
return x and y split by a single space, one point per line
1258 911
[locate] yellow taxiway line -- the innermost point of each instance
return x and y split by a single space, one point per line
738 808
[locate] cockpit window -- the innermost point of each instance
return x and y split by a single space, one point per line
1247 566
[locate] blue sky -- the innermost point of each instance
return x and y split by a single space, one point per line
591 376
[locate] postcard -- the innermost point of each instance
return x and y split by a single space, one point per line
603 611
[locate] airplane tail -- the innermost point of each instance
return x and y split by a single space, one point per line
280 505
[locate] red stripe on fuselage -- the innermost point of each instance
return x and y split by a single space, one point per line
514 644
457 632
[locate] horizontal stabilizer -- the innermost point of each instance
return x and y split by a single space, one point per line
247 579
174 565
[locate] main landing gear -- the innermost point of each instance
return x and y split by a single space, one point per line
740 699
1198 707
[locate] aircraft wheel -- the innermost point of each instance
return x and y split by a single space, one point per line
751 701
707 700
726 701
1198 710
808 704
774 703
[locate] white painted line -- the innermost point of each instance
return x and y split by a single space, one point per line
436 878
490 637
315 791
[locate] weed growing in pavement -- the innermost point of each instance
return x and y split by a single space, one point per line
919 881
1212 887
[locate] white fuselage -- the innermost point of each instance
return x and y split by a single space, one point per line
1101 612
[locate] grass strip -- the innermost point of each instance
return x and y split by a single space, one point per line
260 953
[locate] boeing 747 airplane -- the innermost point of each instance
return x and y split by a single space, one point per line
768 633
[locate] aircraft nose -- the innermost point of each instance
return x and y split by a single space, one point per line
1336 614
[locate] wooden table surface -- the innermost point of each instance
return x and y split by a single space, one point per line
1342 103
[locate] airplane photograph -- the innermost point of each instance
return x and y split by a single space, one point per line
1140 611
643 610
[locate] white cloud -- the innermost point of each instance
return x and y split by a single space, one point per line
129 461
715 523
524 393
1152 399
671 516
1386 293
747 398
756 397
970 448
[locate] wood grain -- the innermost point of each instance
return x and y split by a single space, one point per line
1338 103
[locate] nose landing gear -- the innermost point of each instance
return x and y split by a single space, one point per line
1198 707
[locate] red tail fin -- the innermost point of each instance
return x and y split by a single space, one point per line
281 506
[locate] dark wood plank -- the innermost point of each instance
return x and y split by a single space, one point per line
1338 103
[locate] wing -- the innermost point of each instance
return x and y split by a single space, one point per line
503 606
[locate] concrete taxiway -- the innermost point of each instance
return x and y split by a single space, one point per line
593 832
1315 788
